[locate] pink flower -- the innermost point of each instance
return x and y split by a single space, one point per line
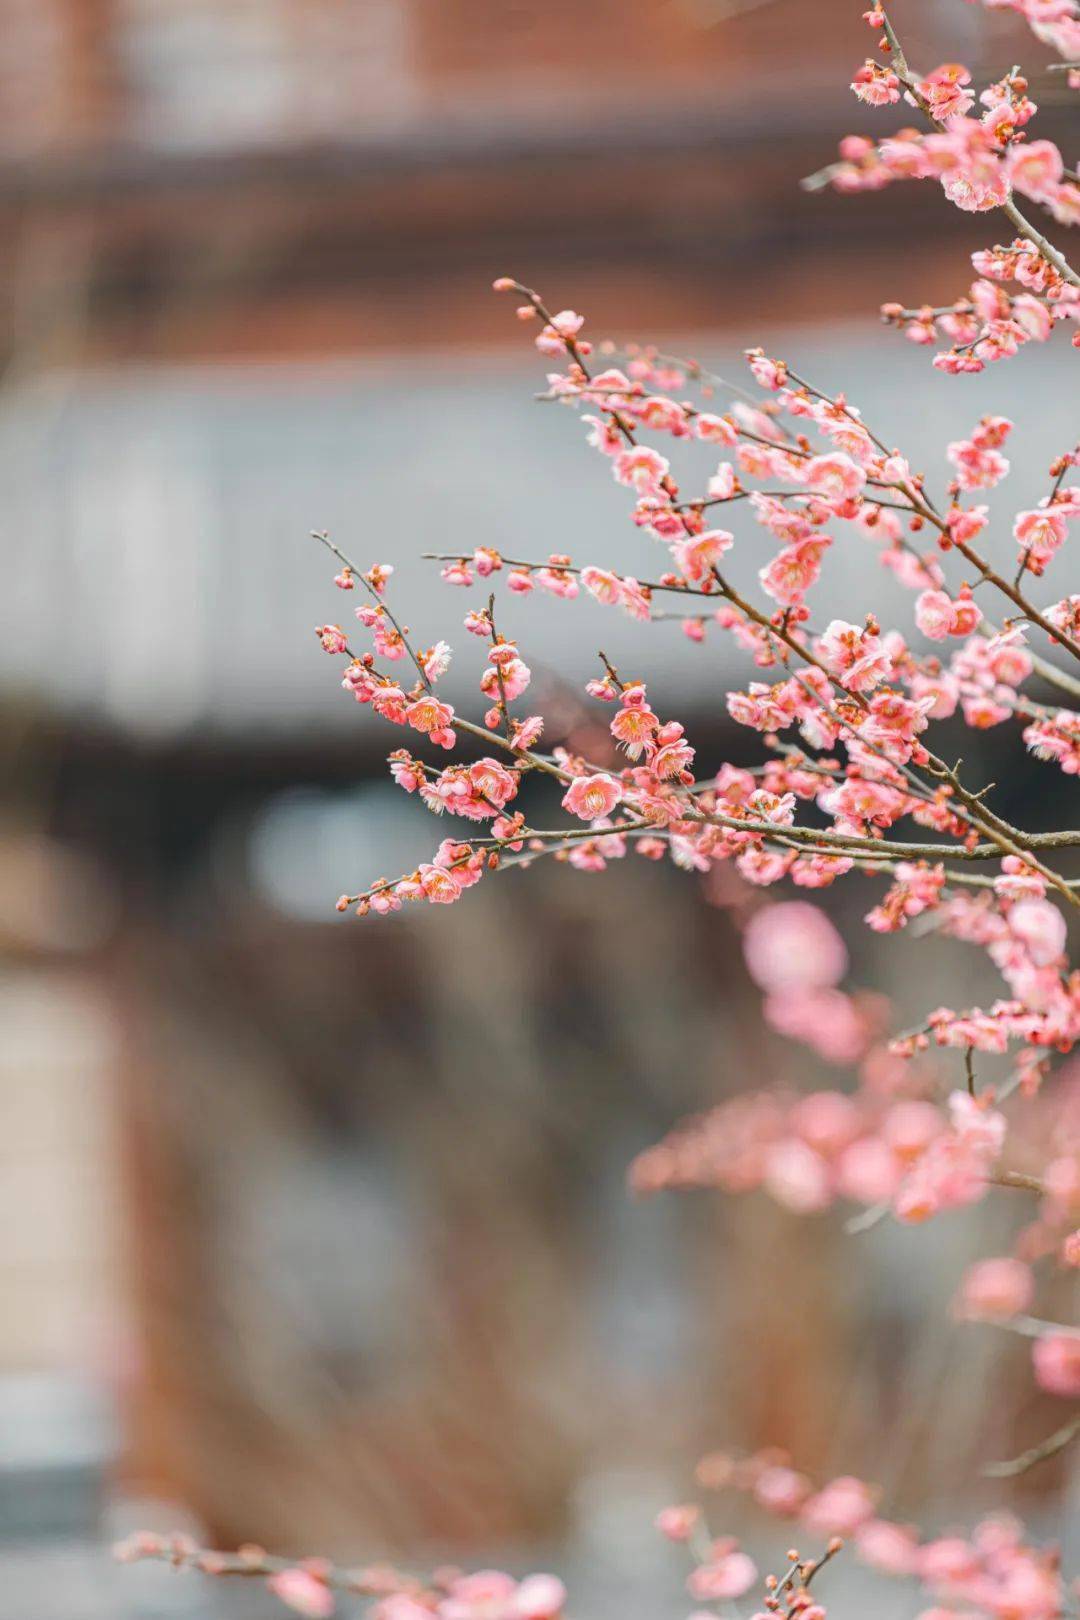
893 725
892 1548
995 1288
797 1177
606 587
677 1523
553 338
303 1592
771 374
1065 614
592 796
457 573
406 771
855 657
794 570
835 477
665 415
492 782
640 468
917 888
401 1606
487 561
827 1120
556 577
1041 533
721 485
332 637
426 713
946 92
827 1021
793 946
539 1597
673 754
505 663
486 1595
390 703
964 526
635 725
951 1173
715 430
933 614
526 732
840 1507
729 1577
976 1123
1056 1359
973 176
868 1172
781 1490
436 661
440 886
1041 927
1034 168
875 85
697 554
978 463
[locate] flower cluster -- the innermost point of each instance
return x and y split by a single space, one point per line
993 1573
310 1586
845 711
975 145
854 782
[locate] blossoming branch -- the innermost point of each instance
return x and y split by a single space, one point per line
856 779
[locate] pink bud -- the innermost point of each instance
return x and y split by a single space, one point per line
1056 1359
540 1597
677 1523
995 1288
302 1592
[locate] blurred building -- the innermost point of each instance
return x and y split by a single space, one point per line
266 177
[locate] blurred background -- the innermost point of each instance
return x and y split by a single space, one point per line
315 1231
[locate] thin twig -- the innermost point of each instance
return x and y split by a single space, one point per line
1036 1454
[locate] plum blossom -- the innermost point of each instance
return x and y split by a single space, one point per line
591 797
641 468
698 554
303 1592
560 332
729 1576
877 86
332 637
793 946
1041 928
845 774
678 1523
856 657
839 1508
428 714
1040 534
1056 1360
938 615
836 478
995 1288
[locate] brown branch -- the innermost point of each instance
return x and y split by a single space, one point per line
358 573
1019 221
1036 1454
